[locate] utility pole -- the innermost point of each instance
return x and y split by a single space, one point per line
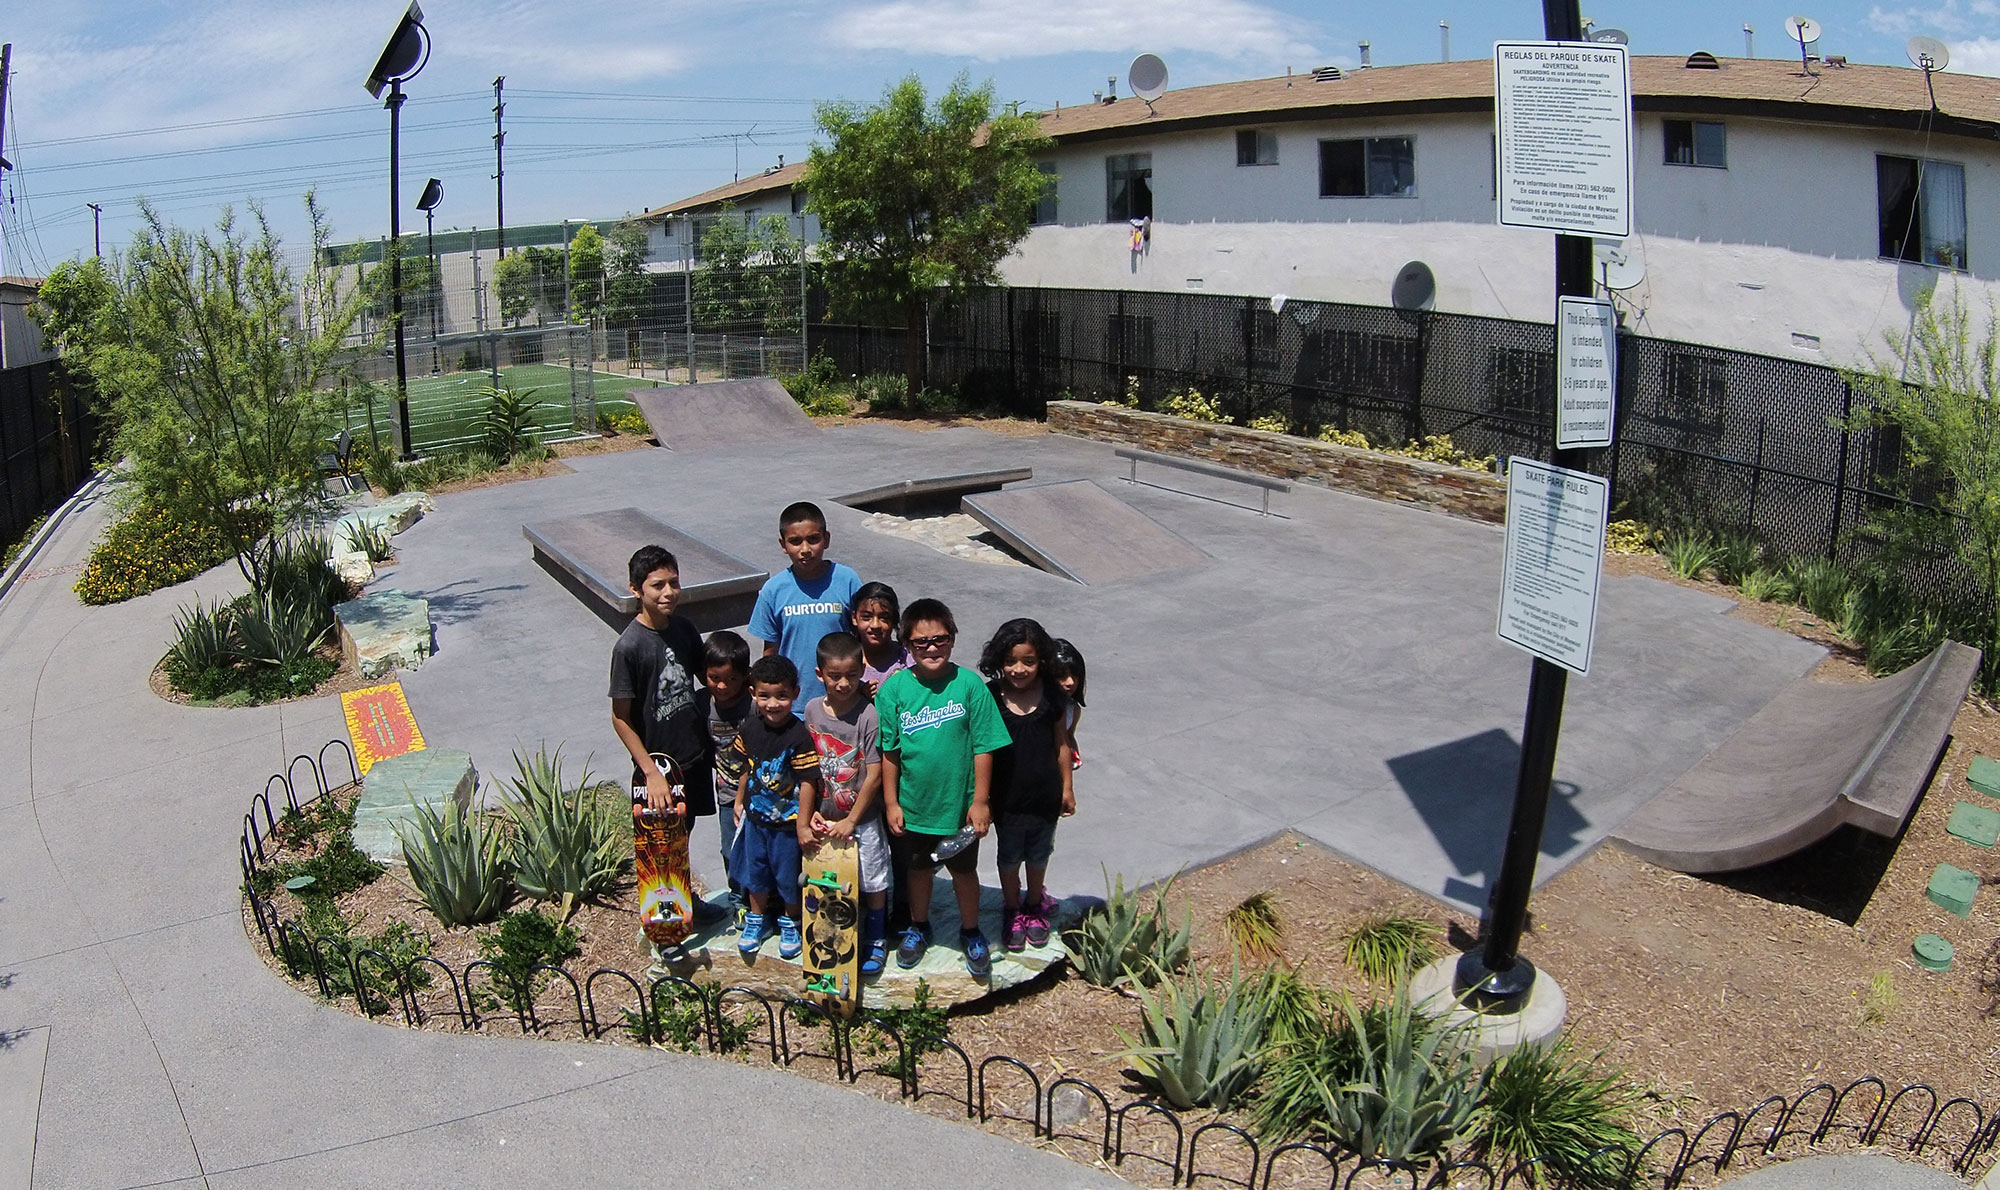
96 229
687 291
6 57
499 166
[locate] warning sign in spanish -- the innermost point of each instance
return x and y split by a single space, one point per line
1554 561
1586 371
1563 131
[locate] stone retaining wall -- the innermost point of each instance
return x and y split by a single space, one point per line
1451 490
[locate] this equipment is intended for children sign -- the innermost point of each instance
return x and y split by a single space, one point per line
1586 372
380 723
1554 561
1563 131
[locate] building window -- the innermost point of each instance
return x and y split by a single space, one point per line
1128 187
1378 167
1521 381
1695 391
1256 147
1697 142
1045 206
1922 209
798 200
1131 341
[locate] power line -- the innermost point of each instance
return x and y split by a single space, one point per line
236 121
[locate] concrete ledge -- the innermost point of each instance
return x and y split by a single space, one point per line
1454 491
384 630
430 777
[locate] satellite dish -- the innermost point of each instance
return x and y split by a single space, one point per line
1804 30
1414 288
1617 267
1611 36
404 56
1928 53
1148 76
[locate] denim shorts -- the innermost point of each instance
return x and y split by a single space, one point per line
768 855
1024 838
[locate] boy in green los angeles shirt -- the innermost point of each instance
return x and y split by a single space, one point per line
939 730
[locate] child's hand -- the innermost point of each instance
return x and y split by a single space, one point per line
1069 802
738 808
893 815
807 840
979 818
660 795
820 825
844 829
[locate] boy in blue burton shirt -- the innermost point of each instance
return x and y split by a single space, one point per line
803 603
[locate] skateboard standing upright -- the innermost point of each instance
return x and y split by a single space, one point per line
830 878
660 861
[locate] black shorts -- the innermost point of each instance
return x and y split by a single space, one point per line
912 851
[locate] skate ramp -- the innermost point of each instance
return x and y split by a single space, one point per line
1816 757
719 413
589 554
1081 532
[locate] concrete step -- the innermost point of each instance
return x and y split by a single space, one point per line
429 778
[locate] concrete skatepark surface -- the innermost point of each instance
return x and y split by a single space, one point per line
718 413
1335 672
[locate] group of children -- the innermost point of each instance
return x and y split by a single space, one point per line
855 723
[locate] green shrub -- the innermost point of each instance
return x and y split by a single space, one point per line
341 950
1553 1106
524 941
1193 405
566 845
1765 586
20 543
1628 537
820 374
1735 556
148 547
1313 1053
1340 437
1688 555
294 679
676 1016
370 540
827 403
1822 585
279 630
1439 448
1125 943
204 639
1254 926
508 426
456 862
1297 1008
1386 947
922 1026
1201 1039
881 390
626 421
380 469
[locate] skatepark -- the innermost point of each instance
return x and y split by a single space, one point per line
1330 670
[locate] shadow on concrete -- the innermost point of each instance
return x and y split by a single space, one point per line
451 608
1464 791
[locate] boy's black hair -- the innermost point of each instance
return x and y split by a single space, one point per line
774 669
1069 662
1021 632
648 558
724 647
933 610
839 646
877 593
803 510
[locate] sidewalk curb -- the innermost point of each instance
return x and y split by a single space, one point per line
48 529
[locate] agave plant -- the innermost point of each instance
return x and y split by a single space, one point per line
1416 1086
1125 943
1201 1039
458 866
204 638
279 630
565 844
371 541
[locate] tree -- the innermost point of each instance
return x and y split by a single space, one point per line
919 202
514 278
77 304
749 274
420 287
586 270
629 290
213 370
1941 395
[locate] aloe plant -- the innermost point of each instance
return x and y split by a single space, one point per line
204 638
1125 943
1689 555
278 630
565 844
1201 1039
1416 1089
458 866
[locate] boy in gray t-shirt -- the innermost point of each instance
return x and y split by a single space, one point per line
844 732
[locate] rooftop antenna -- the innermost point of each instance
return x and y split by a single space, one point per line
1929 55
1148 76
1749 42
1805 31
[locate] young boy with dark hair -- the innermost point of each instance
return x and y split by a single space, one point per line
805 601
843 727
653 692
940 728
775 799
724 704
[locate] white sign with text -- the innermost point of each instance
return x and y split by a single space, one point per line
1586 372
1554 561
1563 132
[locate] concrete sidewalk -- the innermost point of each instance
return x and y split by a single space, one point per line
146 1044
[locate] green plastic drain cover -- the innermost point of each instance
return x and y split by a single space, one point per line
1952 889
1985 775
1975 824
300 883
1933 952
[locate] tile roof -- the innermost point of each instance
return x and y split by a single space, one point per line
1876 96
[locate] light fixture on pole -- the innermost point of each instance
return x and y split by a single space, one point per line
402 59
427 203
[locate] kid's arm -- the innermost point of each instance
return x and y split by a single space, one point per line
980 816
1065 755
658 794
892 810
808 808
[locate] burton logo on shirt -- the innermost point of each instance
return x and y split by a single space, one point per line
815 609
931 717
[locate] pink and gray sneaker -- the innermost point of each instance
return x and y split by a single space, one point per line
1037 920
1014 937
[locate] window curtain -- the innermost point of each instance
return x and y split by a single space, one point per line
1941 192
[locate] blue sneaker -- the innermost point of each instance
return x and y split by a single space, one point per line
916 940
978 955
789 942
875 957
753 933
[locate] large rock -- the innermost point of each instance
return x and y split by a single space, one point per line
431 777
385 630
391 513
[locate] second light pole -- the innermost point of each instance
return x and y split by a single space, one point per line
433 195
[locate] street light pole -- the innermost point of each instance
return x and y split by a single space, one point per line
96 229
403 58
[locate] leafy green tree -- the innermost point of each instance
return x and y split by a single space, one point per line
586 270
77 304
628 288
919 202
514 278
749 274
420 288
214 374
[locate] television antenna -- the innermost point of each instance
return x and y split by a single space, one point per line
1805 31
1148 77
1611 36
1617 266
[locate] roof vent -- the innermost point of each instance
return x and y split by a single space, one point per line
1702 60
1325 74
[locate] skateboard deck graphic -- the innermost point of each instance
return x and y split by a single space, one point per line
831 892
660 862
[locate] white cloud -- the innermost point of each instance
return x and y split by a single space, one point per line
989 30
1978 55
1946 17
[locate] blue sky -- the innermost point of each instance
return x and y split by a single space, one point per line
614 106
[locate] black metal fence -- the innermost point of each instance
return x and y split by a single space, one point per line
1723 441
47 437
1913 1118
